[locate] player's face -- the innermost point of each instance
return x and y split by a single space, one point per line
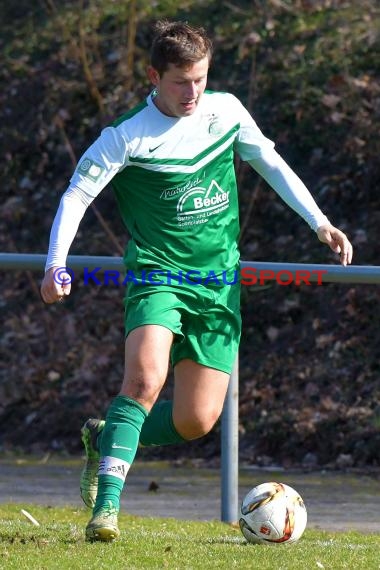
180 89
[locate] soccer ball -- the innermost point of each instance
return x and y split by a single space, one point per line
272 513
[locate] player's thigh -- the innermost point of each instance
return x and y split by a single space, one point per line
152 320
211 328
147 350
199 394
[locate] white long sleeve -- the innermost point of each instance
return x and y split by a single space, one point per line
72 207
288 186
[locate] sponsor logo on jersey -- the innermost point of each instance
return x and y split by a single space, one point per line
199 200
172 193
90 169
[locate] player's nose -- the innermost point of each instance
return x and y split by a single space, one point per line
191 90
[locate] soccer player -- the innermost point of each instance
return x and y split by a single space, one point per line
170 161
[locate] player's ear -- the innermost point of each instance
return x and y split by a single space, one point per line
153 75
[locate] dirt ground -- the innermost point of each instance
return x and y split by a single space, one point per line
335 501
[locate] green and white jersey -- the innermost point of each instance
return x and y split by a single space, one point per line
174 181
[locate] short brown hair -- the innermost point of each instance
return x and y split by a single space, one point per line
178 43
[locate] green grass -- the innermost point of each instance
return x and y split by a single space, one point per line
167 543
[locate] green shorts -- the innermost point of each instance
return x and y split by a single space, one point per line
205 320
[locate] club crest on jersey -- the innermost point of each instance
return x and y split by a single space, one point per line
90 169
215 127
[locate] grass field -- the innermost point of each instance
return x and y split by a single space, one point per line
58 543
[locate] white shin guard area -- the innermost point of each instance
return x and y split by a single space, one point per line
113 466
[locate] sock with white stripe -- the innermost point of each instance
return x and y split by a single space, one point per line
118 446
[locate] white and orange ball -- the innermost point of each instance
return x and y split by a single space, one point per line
272 513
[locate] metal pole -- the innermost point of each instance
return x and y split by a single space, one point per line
230 449
316 272
369 274
36 262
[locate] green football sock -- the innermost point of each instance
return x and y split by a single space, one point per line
159 428
118 446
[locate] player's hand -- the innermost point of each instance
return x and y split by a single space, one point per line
56 285
337 241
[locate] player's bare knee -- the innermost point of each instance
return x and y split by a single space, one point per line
196 427
143 387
